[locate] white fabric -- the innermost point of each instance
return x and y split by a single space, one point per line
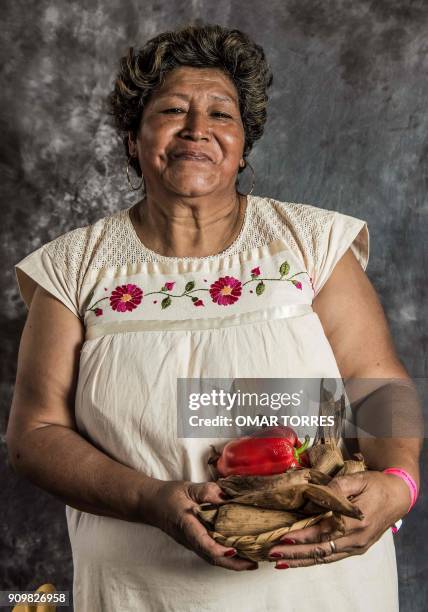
126 394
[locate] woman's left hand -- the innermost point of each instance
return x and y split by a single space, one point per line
383 499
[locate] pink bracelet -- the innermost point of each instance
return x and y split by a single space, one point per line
409 482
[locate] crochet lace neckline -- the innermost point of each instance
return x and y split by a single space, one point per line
231 249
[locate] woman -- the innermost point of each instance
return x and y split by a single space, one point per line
123 308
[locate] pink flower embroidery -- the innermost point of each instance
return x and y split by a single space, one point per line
226 290
169 286
255 271
198 303
297 284
98 311
126 297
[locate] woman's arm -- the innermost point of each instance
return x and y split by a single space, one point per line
42 440
355 325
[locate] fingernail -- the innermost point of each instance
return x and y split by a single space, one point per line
275 555
230 553
288 541
253 567
223 495
281 565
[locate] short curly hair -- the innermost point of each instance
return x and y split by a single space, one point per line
204 46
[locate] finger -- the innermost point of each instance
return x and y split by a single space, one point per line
300 551
326 529
320 532
210 550
349 486
350 545
287 563
206 492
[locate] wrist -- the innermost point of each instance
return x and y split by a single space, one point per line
145 499
405 483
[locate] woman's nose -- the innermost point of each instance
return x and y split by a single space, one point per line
196 125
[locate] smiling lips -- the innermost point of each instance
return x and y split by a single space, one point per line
188 155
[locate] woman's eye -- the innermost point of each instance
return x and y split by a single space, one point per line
172 109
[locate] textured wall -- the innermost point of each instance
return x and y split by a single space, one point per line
347 130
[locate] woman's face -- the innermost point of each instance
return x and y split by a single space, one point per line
195 111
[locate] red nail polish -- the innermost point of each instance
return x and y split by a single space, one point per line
281 565
253 567
287 541
223 495
230 553
275 555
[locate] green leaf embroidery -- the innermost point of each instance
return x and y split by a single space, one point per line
194 298
189 286
166 302
284 269
260 288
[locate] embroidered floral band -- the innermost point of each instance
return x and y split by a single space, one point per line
275 281
224 291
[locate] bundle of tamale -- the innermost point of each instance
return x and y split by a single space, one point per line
274 488
260 510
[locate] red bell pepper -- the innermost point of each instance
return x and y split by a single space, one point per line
277 431
260 456
282 431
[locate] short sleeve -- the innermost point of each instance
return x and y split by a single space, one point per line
340 233
40 268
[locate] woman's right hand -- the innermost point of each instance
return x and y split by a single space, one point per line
172 510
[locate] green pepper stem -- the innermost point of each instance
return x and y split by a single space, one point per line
301 449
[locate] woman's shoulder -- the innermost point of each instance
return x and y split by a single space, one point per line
61 265
307 222
76 247
293 213
319 235
298 223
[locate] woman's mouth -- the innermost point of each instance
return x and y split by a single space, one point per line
190 156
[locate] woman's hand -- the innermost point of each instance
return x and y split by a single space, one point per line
173 512
383 499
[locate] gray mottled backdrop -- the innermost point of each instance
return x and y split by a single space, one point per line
347 130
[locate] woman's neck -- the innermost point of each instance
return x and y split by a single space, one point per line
183 230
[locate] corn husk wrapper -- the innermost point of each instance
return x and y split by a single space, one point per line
256 548
239 485
326 457
294 497
251 520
